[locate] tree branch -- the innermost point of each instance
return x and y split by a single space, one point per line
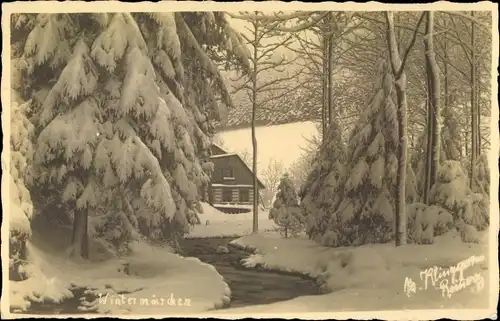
412 43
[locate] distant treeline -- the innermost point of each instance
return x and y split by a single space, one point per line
241 118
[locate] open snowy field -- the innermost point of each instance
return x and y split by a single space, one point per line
373 277
228 225
280 142
152 280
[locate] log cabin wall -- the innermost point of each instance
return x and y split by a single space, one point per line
235 194
230 176
217 198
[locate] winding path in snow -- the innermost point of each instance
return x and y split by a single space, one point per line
248 286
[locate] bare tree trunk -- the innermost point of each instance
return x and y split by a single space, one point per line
255 227
466 145
434 99
80 239
478 109
429 144
445 70
325 88
261 61
446 92
330 79
474 147
400 85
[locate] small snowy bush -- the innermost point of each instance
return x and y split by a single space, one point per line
286 212
452 192
425 222
330 238
468 233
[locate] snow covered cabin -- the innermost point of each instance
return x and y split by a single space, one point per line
231 187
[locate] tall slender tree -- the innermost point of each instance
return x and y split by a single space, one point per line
434 97
398 70
473 104
263 39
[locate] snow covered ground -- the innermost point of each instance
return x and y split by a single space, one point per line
372 277
157 282
155 274
280 142
228 225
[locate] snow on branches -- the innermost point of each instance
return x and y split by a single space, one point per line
21 207
365 212
322 192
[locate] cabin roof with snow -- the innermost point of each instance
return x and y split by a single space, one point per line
217 150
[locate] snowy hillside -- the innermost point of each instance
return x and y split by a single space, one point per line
279 142
240 116
298 106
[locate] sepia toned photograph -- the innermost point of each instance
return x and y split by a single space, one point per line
237 160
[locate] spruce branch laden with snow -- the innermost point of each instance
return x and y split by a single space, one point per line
21 207
426 222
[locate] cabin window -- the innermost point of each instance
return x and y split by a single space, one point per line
227 172
227 195
244 195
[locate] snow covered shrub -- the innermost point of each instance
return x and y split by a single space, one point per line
452 192
425 222
124 106
286 212
468 233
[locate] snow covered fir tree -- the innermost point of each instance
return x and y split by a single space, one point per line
286 212
124 107
141 145
322 193
359 208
